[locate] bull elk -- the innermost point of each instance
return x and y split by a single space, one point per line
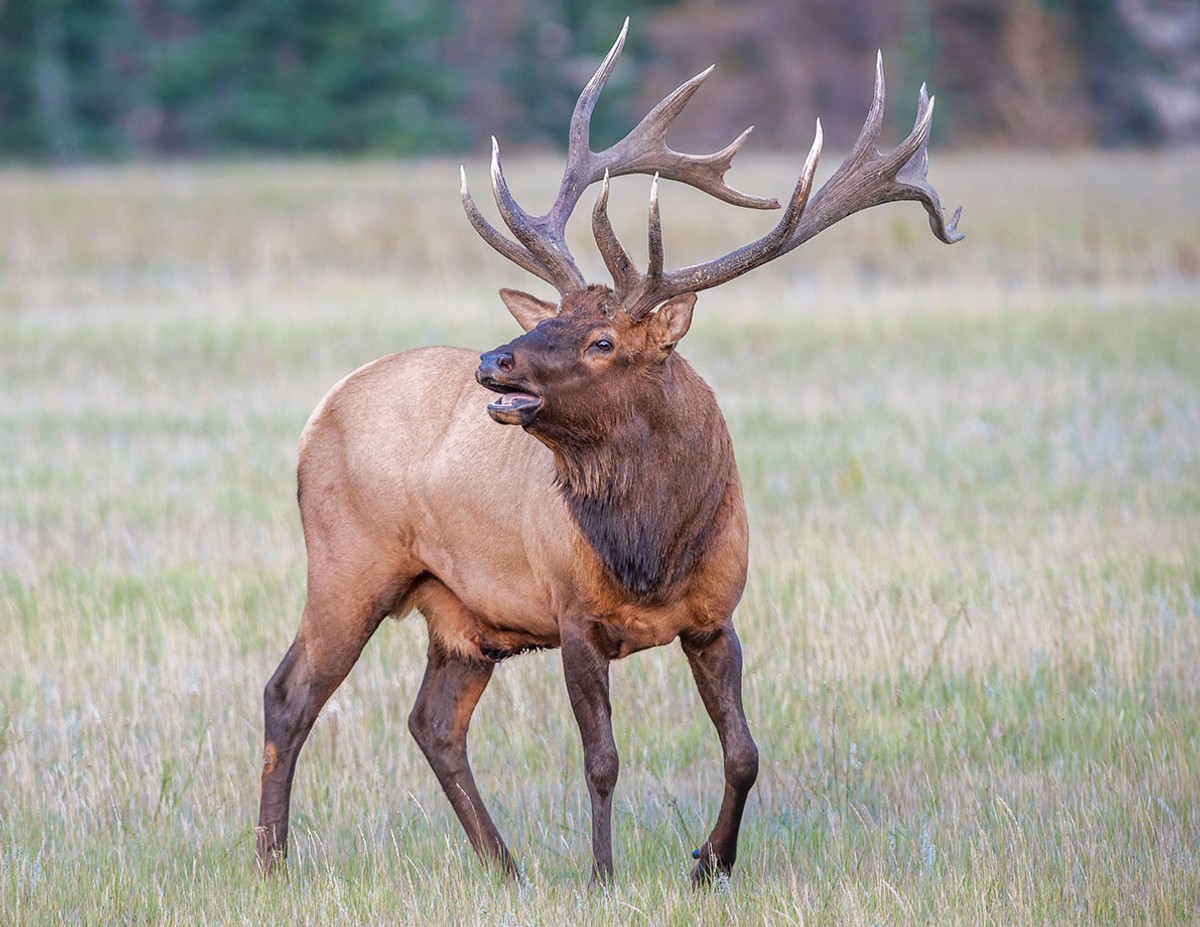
611 520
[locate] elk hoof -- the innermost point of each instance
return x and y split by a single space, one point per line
708 869
269 863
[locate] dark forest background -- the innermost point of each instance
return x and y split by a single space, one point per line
117 79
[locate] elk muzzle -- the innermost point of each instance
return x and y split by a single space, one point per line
516 405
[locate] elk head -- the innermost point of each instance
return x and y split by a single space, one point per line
547 378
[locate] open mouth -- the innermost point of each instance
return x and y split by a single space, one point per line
514 407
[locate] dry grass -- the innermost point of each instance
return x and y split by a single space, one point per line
973 621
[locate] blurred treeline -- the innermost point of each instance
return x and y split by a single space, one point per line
104 79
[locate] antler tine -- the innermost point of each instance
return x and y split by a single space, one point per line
867 143
630 286
518 254
645 150
544 239
914 173
581 171
616 258
868 178
654 267
579 146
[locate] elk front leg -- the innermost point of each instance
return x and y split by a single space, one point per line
585 666
716 662
439 722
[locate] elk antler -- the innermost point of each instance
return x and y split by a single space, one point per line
866 178
541 246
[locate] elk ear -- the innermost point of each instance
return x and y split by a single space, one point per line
528 310
672 321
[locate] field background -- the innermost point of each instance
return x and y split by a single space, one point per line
972 627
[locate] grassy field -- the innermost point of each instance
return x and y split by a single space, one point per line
972 627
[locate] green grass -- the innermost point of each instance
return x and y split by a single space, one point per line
972 627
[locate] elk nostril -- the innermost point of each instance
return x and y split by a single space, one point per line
504 362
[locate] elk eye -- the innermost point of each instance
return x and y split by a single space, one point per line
603 345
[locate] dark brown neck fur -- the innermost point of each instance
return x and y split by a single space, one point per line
647 497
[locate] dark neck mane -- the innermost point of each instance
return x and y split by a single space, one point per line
648 497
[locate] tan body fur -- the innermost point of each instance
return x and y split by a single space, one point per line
462 519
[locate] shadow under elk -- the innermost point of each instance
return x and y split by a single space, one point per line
611 520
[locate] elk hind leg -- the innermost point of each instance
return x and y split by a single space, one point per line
334 628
